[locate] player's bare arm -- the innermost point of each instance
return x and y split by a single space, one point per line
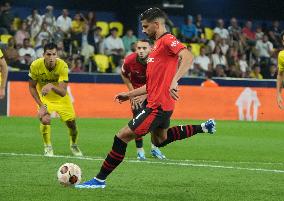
280 79
185 58
124 96
126 81
61 89
4 74
42 108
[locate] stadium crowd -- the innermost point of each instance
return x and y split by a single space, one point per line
247 51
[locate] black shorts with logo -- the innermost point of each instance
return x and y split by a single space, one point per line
149 119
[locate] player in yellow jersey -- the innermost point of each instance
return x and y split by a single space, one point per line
48 86
280 76
3 75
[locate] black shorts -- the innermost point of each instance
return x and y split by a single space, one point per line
149 119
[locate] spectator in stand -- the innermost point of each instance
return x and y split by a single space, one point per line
40 50
78 66
42 34
233 71
22 33
27 53
200 29
188 30
265 51
77 24
232 56
202 63
50 19
248 32
216 40
272 72
96 39
219 71
64 23
62 54
274 34
113 46
244 68
224 46
12 56
34 22
258 33
128 39
223 32
234 29
256 72
132 49
87 50
218 58
6 19
208 80
91 20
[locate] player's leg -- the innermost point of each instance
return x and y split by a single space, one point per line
163 136
138 126
139 140
113 159
140 149
73 135
66 112
45 131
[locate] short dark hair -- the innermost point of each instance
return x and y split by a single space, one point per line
144 40
50 46
114 29
152 14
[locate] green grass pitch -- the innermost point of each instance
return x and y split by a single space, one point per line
243 161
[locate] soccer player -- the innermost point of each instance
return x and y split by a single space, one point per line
3 75
48 86
133 73
280 76
168 61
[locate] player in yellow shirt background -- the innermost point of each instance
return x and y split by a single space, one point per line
3 75
48 86
280 76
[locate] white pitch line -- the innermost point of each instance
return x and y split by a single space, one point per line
152 162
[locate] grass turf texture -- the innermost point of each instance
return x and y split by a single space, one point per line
239 163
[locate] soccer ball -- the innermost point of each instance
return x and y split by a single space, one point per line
69 174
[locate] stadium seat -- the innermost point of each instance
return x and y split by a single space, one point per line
208 33
118 25
5 37
104 26
195 49
16 23
102 62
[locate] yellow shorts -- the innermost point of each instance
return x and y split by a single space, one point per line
64 108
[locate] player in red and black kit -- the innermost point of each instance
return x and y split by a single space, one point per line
166 64
133 73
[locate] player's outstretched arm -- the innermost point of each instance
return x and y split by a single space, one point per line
42 108
185 58
124 96
280 79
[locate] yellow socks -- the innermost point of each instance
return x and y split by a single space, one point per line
45 131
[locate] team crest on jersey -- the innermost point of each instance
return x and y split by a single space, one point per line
150 60
174 43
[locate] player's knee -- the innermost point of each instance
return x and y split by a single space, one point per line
71 124
45 120
126 134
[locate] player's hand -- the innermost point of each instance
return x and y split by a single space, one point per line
174 90
136 102
46 89
2 92
121 97
280 101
